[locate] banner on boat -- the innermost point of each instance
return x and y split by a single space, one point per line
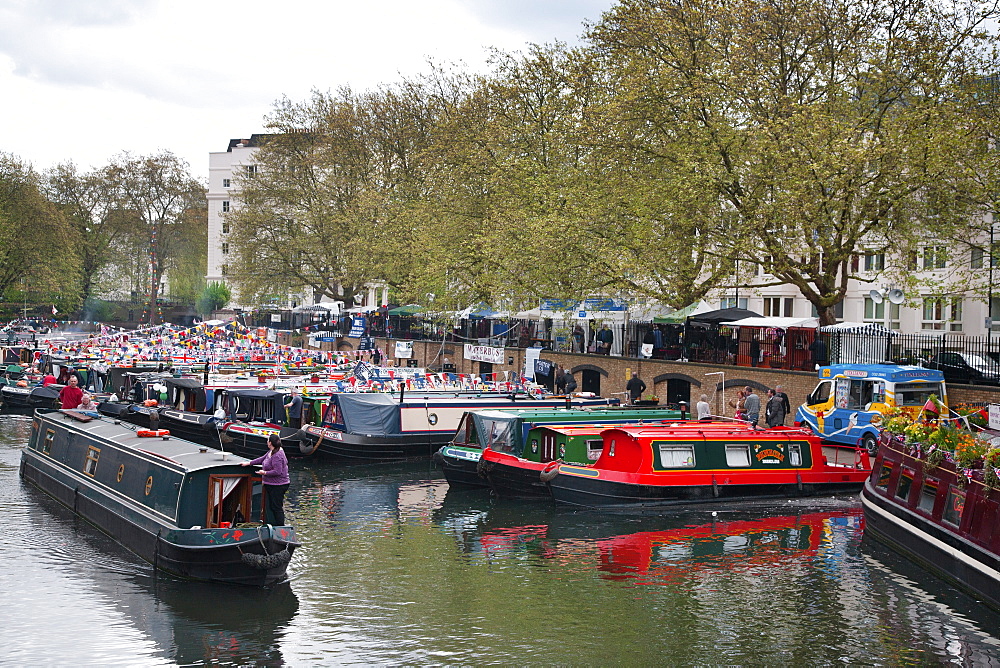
484 354
404 349
358 326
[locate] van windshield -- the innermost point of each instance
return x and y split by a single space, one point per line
916 394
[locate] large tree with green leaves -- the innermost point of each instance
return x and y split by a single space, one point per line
38 247
816 128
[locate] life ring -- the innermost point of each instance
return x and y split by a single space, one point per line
550 471
152 433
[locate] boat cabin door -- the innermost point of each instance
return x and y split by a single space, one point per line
230 500
550 451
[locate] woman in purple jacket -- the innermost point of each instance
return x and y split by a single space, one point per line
274 475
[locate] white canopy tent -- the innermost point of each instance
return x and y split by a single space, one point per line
779 323
859 342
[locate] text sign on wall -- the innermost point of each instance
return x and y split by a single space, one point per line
404 349
484 354
994 416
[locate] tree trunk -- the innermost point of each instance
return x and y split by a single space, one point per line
827 315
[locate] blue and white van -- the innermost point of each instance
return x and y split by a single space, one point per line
848 403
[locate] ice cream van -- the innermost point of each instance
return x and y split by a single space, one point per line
850 399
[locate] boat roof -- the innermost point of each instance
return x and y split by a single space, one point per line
724 430
600 412
895 373
182 455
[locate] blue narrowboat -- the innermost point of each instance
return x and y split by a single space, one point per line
185 508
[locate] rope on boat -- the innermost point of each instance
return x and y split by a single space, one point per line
265 561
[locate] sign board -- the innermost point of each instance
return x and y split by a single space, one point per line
411 363
484 354
404 349
275 317
358 326
994 416
326 339
530 355
367 343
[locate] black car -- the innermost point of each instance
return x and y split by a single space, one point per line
965 368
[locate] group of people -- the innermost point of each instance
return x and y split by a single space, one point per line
72 397
747 406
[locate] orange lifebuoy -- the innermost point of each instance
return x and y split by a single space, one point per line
152 433
150 402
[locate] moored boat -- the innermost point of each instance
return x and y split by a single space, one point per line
507 430
382 427
679 463
182 507
939 511
25 399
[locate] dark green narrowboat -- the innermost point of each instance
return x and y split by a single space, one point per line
184 508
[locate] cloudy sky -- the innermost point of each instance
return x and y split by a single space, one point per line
83 80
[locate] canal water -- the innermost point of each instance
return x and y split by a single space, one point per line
396 568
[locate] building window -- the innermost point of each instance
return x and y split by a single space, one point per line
874 312
941 313
225 206
225 228
935 257
789 303
874 261
224 270
733 302
225 248
225 183
251 171
90 466
772 307
976 258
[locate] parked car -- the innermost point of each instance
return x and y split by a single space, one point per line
965 368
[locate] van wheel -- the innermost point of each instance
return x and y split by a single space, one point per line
870 444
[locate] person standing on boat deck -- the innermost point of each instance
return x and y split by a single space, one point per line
274 475
70 396
774 412
635 387
605 338
752 404
294 408
704 410
560 380
87 403
780 393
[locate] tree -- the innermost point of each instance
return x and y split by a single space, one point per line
37 244
213 297
159 194
820 127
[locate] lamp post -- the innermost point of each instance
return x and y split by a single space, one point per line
723 393
989 298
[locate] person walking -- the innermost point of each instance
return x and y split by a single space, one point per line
778 391
752 404
560 380
274 475
635 387
703 409
774 412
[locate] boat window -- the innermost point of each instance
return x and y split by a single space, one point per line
795 454
904 484
121 472
47 443
499 435
738 455
927 495
883 477
149 485
954 506
916 394
676 456
90 466
594 448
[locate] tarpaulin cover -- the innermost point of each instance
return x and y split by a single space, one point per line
369 413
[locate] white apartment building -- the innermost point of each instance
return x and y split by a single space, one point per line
225 168
960 310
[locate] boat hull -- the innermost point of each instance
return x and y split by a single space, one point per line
460 466
215 554
579 486
340 445
520 480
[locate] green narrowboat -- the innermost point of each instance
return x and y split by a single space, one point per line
185 508
507 430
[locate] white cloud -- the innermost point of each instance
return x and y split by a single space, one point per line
83 81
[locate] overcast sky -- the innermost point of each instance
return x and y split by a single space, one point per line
83 80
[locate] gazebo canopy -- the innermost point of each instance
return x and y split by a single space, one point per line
679 316
728 315
408 309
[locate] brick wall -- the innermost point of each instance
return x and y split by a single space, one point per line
614 372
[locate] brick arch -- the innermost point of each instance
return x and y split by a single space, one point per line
740 383
664 377
589 367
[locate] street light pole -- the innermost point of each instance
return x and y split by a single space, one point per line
723 393
989 299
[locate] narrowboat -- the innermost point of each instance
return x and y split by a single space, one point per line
507 430
182 507
25 399
937 513
681 463
850 401
377 427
